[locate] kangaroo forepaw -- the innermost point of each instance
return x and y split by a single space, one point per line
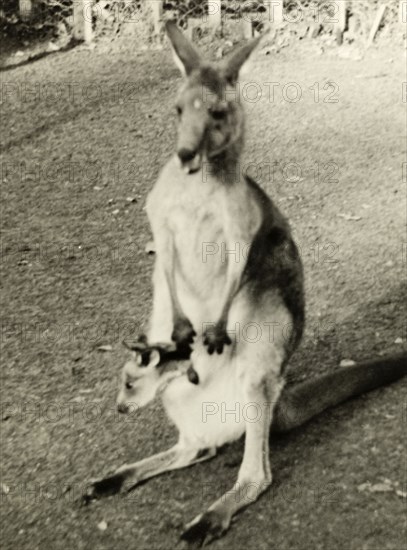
215 338
183 333
205 528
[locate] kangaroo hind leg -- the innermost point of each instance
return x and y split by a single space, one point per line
261 391
128 476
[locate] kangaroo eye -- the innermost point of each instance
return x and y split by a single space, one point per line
179 110
218 114
129 385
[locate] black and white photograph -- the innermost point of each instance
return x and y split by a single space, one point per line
203 274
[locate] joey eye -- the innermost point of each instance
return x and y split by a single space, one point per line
179 110
129 385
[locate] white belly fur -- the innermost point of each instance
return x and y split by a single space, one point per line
213 412
209 414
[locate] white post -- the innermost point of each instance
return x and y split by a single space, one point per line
247 29
157 13
341 22
276 11
82 20
214 14
25 8
403 11
376 24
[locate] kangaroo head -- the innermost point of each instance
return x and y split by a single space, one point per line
139 382
142 376
209 111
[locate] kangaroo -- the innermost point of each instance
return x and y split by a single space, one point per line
161 370
207 303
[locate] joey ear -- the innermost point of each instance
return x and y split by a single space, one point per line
186 56
135 346
148 358
232 64
154 358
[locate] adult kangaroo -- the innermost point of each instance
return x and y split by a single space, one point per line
206 300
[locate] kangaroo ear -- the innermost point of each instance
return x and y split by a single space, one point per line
136 346
186 56
155 358
234 63
147 358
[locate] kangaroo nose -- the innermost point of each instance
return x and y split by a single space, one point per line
186 155
122 408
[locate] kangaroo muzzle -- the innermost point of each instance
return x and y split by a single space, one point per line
191 140
122 408
191 160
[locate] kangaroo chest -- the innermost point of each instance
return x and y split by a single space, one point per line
206 224
199 229
202 232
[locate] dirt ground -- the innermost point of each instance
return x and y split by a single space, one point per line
84 135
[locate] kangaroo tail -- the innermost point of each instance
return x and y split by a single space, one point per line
299 403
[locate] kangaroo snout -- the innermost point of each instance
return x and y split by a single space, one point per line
185 155
190 159
122 408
